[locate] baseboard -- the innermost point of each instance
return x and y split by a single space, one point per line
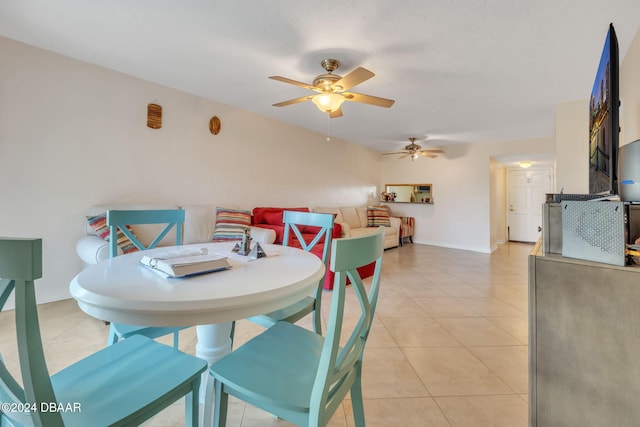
41 298
450 246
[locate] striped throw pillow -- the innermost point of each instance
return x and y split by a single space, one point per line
377 217
231 224
99 224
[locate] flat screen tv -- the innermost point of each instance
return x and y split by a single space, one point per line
604 121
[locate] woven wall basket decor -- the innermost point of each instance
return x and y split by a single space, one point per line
154 116
214 125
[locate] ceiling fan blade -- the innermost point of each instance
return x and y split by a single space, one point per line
355 77
293 101
295 83
431 156
394 152
368 99
337 113
433 151
403 156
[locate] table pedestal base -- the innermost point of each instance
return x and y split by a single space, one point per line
214 341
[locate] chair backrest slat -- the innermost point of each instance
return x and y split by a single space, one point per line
120 219
10 390
20 265
296 221
293 220
338 365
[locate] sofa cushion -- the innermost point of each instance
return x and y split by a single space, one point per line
99 224
351 217
335 211
274 218
259 213
199 223
310 230
231 224
362 215
377 216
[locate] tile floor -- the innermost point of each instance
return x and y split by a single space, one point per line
448 345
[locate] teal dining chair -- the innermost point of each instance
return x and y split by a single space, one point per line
121 385
296 374
294 225
120 220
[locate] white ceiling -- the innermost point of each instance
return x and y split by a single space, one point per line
459 70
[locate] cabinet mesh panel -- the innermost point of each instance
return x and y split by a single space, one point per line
594 231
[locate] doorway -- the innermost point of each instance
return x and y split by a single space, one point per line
526 195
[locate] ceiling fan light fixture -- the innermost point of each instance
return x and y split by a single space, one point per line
525 165
328 102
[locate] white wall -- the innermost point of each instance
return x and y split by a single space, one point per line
630 93
74 134
572 147
498 178
461 214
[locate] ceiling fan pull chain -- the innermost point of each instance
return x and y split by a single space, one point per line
328 124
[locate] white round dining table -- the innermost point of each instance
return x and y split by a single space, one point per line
122 290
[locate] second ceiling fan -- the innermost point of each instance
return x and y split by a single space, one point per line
414 150
332 89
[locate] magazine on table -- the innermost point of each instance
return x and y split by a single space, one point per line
185 266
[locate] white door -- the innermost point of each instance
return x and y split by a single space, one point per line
527 193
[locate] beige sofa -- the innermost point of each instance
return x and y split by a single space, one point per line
354 223
198 227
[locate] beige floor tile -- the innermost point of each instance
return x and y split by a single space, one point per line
503 291
510 364
419 332
462 290
515 326
454 372
386 373
484 411
414 412
391 289
423 289
170 417
521 303
255 417
379 336
491 307
446 307
86 337
477 331
399 307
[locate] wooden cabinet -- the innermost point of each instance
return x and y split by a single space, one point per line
584 342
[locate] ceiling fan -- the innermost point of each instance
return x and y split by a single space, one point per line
332 89
414 150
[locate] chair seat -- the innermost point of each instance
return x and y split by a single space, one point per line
125 331
276 367
291 313
135 373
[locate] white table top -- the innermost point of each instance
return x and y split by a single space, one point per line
124 291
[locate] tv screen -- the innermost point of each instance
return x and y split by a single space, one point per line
603 121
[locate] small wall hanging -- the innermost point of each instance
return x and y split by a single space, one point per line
214 125
154 116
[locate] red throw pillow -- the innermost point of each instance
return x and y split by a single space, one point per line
274 218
